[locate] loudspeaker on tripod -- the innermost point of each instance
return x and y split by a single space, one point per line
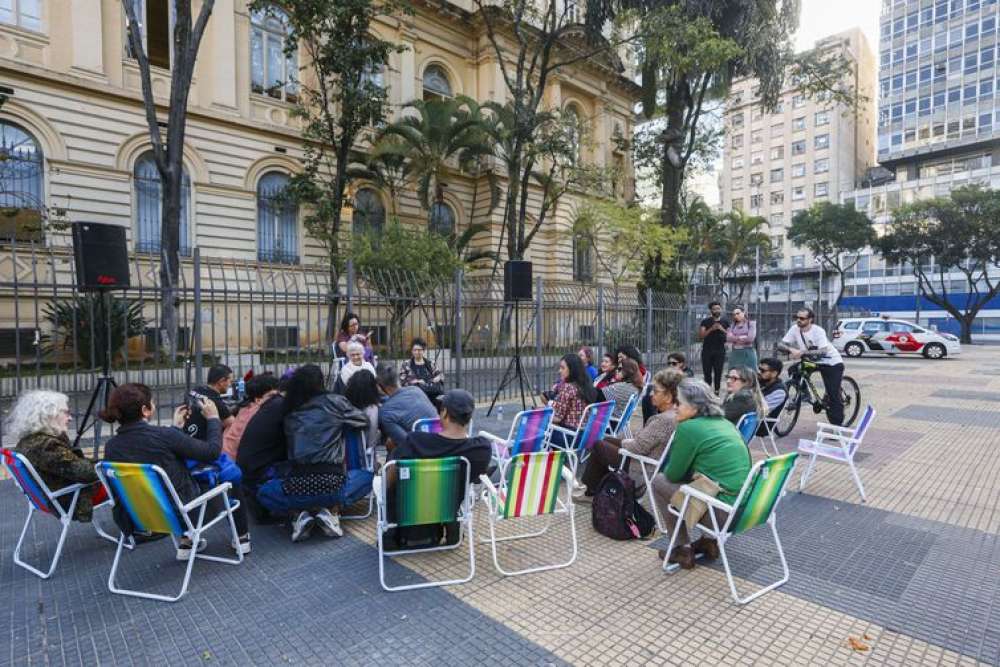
517 280
101 256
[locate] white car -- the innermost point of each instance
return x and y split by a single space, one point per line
855 336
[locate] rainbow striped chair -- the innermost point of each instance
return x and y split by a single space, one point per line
359 456
42 500
528 433
427 425
146 494
755 505
649 467
593 427
424 491
530 485
620 427
836 443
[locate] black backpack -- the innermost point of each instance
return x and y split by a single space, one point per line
615 512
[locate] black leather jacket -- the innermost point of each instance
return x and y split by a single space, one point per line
315 431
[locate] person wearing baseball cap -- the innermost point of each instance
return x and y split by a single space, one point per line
455 408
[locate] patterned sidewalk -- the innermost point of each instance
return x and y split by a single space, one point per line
910 577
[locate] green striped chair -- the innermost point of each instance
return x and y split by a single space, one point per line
754 506
424 491
530 487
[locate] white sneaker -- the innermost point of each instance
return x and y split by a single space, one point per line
302 526
184 547
242 545
329 523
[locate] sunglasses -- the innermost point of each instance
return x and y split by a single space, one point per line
802 319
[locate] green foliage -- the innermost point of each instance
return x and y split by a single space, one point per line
830 231
84 325
960 235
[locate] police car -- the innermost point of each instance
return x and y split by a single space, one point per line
856 336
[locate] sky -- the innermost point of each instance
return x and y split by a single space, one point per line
819 19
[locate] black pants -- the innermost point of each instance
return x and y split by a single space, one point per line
712 363
832 378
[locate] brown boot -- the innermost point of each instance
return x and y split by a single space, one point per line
683 556
707 547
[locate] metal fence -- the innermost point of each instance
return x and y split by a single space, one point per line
271 317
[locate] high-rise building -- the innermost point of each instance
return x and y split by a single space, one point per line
938 129
808 149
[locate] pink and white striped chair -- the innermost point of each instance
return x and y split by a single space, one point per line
836 443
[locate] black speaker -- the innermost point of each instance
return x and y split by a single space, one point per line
101 256
517 280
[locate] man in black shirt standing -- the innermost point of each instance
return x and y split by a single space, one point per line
712 333
220 379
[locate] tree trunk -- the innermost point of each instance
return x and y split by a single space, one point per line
170 254
672 177
965 337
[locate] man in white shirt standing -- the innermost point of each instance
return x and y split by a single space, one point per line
804 336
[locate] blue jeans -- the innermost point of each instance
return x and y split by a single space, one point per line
356 486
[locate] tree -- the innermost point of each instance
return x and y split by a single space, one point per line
168 154
943 236
338 99
624 238
831 231
91 325
532 40
737 242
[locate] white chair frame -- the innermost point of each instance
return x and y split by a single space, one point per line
649 467
64 516
768 424
621 427
572 436
722 534
465 522
369 454
194 532
501 447
491 498
835 443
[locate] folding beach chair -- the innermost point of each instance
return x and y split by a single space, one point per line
749 425
425 491
649 467
593 427
528 433
44 501
359 456
427 425
530 485
148 497
754 506
836 443
620 427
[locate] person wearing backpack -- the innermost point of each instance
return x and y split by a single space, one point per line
709 454
649 441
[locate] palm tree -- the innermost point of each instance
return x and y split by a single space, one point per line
737 240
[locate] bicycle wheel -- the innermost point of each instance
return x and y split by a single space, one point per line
850 394
790 415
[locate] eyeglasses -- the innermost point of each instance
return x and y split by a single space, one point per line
733 377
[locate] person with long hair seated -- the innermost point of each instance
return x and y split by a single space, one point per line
743 394
608 370
362 392
650 441
573 394
350 330
39 424
137 441
314 485
419 371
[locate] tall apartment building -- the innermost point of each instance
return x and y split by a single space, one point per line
807 150
938 129
73 134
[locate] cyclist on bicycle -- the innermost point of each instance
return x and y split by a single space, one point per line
806 338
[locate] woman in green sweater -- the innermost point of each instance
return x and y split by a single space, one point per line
705 442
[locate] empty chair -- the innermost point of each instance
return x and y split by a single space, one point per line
528 433
593 426
836 443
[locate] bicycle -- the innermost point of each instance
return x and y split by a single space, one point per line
802 389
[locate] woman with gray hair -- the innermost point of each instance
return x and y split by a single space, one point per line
39 422
355 362
708 453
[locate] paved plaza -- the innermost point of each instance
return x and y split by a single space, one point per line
910 577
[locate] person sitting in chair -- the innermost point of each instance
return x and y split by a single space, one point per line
418 371
742 394
39 423
455 411
402 406
355 362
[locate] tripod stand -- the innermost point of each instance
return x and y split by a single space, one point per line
102 391
515 369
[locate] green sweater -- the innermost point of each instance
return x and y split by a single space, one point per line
713 447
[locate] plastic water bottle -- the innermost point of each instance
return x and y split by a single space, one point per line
500 414
241 389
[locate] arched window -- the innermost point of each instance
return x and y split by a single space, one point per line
21 180
277 221
148 207
442 219
369 213
436 83
574 122
272 71
583 258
